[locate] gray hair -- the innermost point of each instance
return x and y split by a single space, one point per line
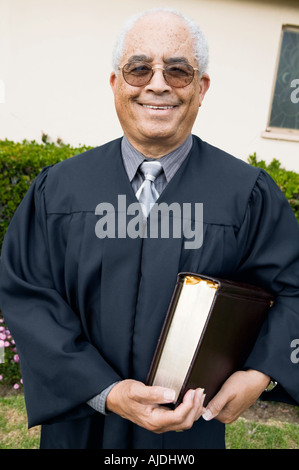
201 51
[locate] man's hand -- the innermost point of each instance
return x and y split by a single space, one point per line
141 404
237 394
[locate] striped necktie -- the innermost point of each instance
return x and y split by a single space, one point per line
147 193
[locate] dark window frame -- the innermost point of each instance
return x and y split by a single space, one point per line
279 132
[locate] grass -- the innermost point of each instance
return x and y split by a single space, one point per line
245 433
14 433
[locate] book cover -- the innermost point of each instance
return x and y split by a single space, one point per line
209 330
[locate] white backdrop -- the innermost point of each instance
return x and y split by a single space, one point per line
56 61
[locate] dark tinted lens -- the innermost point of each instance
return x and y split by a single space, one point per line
179 75
137 73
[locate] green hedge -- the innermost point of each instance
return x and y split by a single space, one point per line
20 163
288 181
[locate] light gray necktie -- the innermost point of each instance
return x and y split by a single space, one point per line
147 193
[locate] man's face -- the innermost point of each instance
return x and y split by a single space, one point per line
158 38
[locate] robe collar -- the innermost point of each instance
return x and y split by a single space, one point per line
171 162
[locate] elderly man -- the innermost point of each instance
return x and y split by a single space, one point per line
86 306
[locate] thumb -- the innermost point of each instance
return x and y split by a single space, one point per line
156 395
215 406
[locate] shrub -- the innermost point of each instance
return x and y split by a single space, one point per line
288 181
9 370
20 163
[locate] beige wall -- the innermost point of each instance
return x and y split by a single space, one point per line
55 61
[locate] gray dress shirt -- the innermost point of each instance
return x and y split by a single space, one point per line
132 160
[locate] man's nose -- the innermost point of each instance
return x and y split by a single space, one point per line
158 83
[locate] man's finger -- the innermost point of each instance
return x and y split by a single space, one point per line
199 399
187 405
215 406
180 418
153 394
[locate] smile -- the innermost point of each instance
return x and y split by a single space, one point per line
157 107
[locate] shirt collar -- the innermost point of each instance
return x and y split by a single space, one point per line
171 162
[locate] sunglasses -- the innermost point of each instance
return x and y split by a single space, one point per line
176 75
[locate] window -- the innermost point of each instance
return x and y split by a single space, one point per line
283 120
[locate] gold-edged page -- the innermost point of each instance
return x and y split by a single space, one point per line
184 333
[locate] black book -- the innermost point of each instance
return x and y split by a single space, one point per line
209 330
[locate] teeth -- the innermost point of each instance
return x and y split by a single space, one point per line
157 107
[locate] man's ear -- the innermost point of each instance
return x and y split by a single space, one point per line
204 84
112 80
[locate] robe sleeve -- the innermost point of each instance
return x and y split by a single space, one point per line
269 237
61 369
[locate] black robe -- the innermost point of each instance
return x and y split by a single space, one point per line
86 312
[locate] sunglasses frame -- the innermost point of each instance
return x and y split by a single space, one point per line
152 74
